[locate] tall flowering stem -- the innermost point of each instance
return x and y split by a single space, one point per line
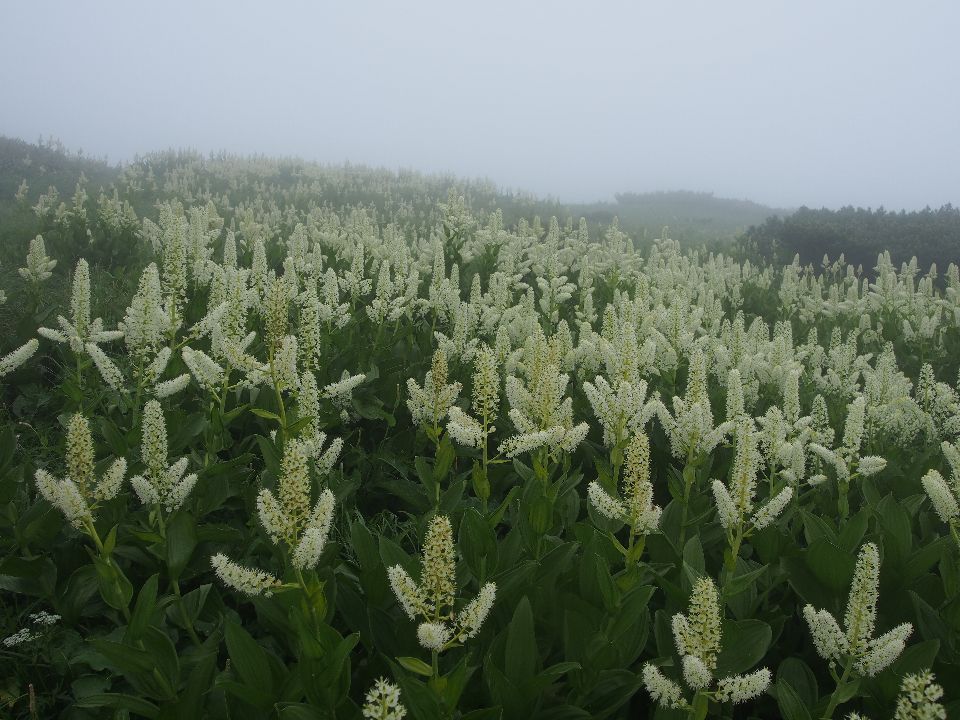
432 600
78 496
860 653
635 507
697 635
735 500
294 522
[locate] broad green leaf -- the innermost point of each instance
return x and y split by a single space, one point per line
520 653
745 643
142 610
119 701
181 541
250 662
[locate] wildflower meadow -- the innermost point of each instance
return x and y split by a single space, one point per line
287 441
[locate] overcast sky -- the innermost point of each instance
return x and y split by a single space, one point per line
819 102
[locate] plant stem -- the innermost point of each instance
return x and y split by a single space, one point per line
687 486
834 696
306 592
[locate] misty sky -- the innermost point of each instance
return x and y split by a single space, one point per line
783 102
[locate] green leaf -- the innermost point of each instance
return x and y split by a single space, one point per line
477 542
250 662
830 565
37 576
746 643
693 556
917 657
446 454
848 690
115 589
425 473
266 414
143 610
8 443
110 542
181 541
301 711
738 583
485 714
521 648
612 690
897 536
120 702
789 702
115 439
124 658
497 517
392 554
159 646
194 600
561 669
852 531
270 454
817 528
416 665
801 679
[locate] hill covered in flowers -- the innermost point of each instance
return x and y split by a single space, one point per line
290 441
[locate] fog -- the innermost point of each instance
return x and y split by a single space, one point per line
786 103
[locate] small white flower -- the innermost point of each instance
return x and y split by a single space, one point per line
206 371
870 465
940 495
884 650
44 618
696 674
726 510
464 429
606 505
408 593
171 387
65 496
661 688
20 637
248 581
740 688
18 357
771 511
382 702
473 615
433 635
309 549
108 371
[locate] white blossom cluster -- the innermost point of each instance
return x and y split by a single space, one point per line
288 516
539 407
39 266
160 483
80 332
698 635
432 599
869 654
13 360
382 702
78 493
42 619
635 506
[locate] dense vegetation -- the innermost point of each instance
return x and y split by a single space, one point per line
287 441
931 236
